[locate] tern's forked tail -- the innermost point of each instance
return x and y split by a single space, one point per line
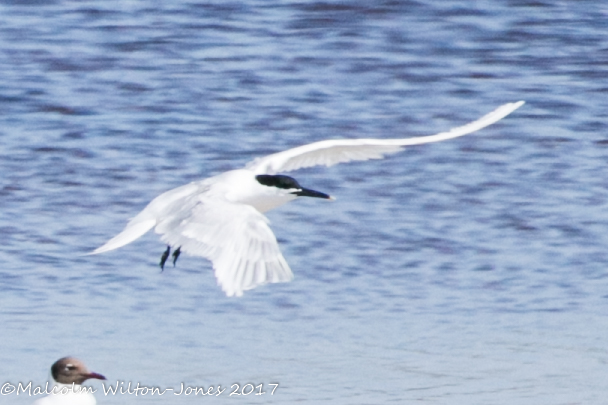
132 231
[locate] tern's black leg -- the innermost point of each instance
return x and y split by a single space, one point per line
164 257
176 254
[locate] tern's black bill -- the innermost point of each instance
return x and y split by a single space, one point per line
305 192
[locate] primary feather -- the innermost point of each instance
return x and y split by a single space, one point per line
331 152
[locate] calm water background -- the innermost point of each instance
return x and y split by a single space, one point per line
473 271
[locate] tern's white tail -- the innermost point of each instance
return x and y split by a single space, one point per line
132 231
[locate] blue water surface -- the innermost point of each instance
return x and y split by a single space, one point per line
472 271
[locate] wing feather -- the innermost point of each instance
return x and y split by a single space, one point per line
162 206
235 237
332 152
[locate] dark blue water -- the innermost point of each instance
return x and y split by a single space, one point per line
468 272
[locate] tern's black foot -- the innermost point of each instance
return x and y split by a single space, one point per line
176 254
164 257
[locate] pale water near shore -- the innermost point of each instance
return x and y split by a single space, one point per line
468 272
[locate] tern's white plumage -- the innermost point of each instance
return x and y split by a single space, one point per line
221 218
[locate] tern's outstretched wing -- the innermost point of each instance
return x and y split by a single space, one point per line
235 237
331 152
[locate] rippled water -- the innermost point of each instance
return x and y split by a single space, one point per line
468 272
